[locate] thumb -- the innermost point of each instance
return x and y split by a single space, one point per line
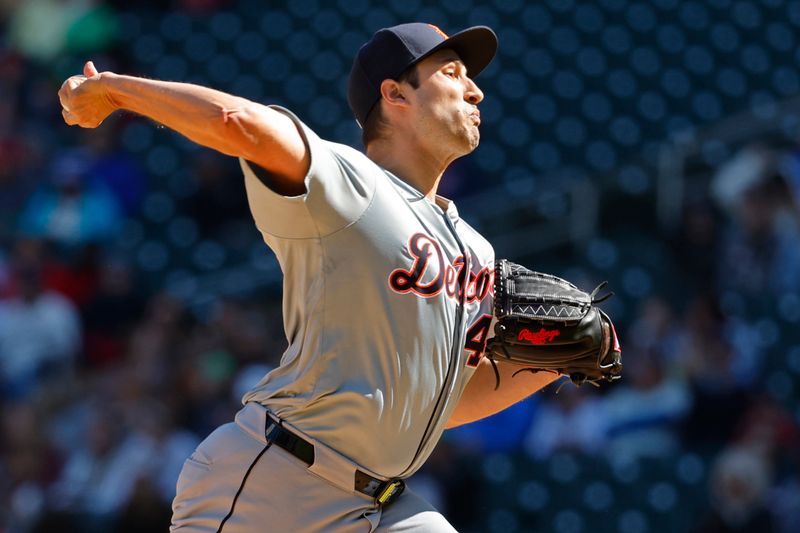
89 70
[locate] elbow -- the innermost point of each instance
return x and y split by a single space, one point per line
238 130
267 138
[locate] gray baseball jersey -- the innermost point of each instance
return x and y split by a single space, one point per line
386 306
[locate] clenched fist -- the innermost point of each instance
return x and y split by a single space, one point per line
84 99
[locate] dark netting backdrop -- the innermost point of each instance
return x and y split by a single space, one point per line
653 144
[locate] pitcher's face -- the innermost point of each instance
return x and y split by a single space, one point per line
446 103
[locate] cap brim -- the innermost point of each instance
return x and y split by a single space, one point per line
476 46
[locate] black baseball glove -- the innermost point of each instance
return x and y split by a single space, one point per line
545 323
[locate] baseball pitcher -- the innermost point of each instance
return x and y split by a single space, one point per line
387 292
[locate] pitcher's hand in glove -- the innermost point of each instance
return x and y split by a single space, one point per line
545 323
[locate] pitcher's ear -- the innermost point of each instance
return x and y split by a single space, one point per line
392 92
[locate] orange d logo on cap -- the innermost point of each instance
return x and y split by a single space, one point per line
438 30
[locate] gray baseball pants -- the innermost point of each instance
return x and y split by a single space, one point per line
235 482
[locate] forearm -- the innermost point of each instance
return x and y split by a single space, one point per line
228 124
208 117
480 399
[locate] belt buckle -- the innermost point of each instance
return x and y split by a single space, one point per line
391 490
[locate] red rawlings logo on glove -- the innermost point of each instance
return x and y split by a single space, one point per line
543 336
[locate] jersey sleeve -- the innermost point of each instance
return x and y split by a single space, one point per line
339 184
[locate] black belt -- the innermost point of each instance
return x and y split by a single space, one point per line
384 492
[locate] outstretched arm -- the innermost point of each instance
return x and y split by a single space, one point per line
481 400
229 124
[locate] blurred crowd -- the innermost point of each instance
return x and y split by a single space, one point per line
109 380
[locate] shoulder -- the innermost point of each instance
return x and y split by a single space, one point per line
351 158
347 155
311 137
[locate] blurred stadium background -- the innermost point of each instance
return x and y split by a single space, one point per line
650 143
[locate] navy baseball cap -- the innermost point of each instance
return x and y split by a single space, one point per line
391 51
